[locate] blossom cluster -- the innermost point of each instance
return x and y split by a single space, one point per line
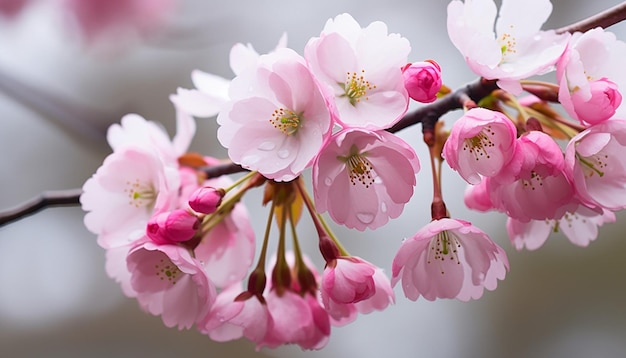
178 237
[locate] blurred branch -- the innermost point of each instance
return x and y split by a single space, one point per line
44 200
603 19
70 116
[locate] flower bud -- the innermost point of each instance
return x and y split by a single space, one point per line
206 199
172 227
605 98
422 80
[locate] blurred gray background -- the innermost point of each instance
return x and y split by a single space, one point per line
56 99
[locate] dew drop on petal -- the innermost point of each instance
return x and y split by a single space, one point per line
283 153
266 146
365 218
328 181
383 207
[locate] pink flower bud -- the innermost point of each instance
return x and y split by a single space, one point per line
172 227
605 98
206 199
422 80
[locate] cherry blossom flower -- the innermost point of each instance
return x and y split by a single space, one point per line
171 283
591 78
348 280
422 80
580 226
363 178
448 258
376 292
481 142
516 50
595 162
297 320
129 188
362 69
277 119
382 297
539 189
211 92
230 319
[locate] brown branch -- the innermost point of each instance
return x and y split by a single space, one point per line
44 200
214 171
603 19
429 114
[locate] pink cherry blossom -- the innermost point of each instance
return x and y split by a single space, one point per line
596 164
277 119
517 49
591 77
129 188
449 258
171 283
539 189
481 142
363 178
230 319
382 297
297 320
580 226
422 80
362 69
348 280
172 227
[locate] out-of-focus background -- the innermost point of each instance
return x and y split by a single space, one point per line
59 90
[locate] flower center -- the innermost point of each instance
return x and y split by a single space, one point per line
356 87
286 121
167 271
359 167
594 165
140 194
444 246
507 45
480 144
535 180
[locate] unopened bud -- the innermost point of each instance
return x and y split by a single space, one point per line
422 80
206 199
601 105
172 227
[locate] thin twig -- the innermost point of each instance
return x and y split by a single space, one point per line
44 200
430 113
603 19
